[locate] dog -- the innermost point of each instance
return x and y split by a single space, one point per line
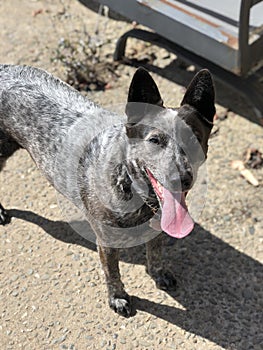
152 156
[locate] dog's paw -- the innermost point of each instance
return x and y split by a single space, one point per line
121 305
165 280
4 217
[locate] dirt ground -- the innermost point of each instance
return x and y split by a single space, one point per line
52 293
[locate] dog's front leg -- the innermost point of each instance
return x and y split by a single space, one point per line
163 278
119 300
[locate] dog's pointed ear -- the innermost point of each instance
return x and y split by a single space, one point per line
142 92
200 94
143 89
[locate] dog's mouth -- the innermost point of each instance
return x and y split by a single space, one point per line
175 218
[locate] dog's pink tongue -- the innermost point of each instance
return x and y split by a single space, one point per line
175 220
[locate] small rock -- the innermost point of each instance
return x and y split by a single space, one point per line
14 278
30 272
103 343
52 206
15 293
89 337
45 277
251 230
227 218
48 333
59 340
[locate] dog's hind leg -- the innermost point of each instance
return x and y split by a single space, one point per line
7 147
119 300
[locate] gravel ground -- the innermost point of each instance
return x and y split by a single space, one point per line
52 293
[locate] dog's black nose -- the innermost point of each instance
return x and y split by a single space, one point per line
186 181
183 182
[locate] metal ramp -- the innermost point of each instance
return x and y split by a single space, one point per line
225 36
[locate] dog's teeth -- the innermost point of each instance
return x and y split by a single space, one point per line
160 187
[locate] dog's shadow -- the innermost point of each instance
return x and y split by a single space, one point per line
220 288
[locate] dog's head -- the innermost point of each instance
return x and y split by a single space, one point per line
168 144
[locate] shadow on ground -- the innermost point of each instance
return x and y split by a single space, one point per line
220 288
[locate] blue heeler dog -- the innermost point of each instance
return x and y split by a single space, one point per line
153 155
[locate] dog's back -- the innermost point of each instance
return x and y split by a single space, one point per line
47 117
37 109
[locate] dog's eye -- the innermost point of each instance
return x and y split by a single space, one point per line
154 139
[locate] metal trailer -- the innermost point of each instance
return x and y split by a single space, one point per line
225 36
